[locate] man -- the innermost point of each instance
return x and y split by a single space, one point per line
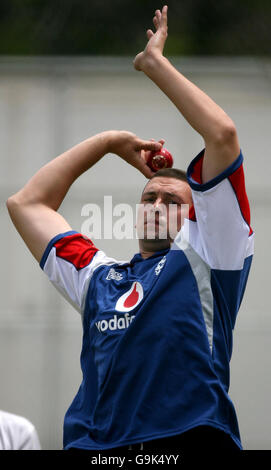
157 331
17 433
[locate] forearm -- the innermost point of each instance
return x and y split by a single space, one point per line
201 112
51 183
33 209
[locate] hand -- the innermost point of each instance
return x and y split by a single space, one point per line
156 41
133 150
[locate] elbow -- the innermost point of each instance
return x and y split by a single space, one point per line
226 134
12 203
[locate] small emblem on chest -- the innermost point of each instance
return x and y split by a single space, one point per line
114 275
160 265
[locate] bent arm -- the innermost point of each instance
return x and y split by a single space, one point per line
33 209
202 113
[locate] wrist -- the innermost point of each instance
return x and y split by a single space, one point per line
151 61
111 138
104 140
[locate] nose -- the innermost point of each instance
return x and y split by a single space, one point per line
157 203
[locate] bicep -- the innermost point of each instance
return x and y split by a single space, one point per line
37 224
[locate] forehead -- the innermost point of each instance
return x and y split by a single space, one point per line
163 184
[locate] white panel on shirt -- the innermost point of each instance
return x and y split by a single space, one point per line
220 235
70 282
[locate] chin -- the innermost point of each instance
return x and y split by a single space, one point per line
156 244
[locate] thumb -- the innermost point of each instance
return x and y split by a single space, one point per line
140 164
149 145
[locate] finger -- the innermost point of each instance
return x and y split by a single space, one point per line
149 34
162 141
164 16
149 145
144 155
158 15
146 171
155 22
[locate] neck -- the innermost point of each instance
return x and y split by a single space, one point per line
148 248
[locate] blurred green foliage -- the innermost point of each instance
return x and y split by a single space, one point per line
117 27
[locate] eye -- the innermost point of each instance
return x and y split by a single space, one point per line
173 202
149 199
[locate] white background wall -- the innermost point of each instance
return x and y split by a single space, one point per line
46 106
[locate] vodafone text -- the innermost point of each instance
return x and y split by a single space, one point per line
115 323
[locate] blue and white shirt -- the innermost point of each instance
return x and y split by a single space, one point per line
157 332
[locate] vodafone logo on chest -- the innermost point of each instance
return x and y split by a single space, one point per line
130 299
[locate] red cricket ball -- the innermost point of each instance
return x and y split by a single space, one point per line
160 159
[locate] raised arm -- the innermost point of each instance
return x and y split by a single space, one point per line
33 209
202 113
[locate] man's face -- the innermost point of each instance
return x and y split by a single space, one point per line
164 204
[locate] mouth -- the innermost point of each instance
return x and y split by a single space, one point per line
153 222
155 227
158 220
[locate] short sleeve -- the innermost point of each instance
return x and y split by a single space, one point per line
69 262
219 225
17 433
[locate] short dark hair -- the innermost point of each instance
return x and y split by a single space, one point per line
171 173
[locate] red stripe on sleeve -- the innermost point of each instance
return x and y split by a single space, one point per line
192 214
197 170
237 180
196 175
76 249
